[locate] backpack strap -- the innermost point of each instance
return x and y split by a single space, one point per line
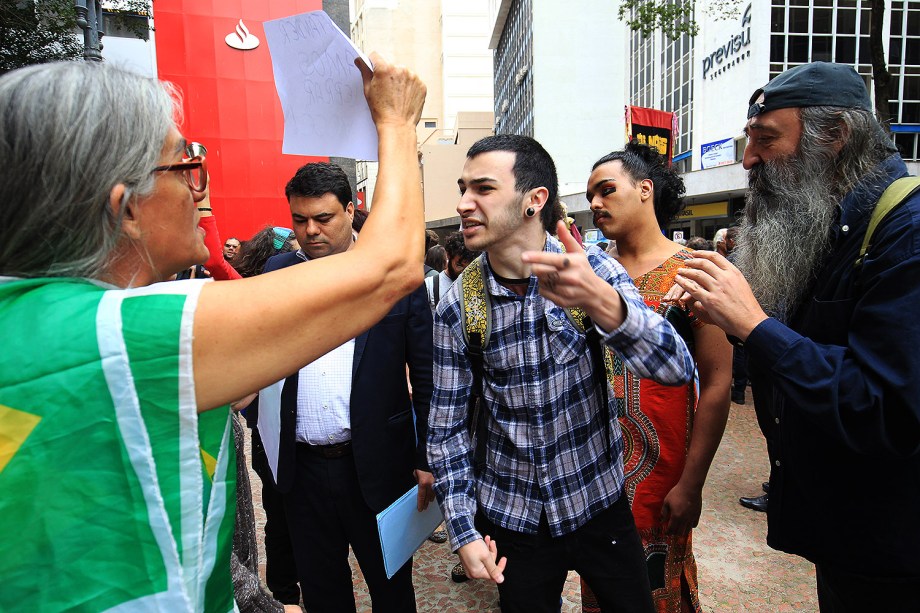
475 306
896 193
583 323
436 293
476 312
601 361
601 366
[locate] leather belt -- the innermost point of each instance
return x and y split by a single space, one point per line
336 450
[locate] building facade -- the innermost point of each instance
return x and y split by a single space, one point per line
560 78
445 43
706 80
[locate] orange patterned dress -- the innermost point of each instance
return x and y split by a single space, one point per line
657 422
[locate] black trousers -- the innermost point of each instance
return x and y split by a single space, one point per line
607 552
845 592
326 512
280 567
739 370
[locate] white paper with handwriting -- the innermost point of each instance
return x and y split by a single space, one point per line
321 91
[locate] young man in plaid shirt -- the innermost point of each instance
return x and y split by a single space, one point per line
549 496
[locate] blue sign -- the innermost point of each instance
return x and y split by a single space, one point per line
719 153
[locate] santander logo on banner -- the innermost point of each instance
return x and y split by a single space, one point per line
242 38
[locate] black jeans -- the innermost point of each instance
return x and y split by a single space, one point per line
840 591
739 370
606 552
280 567
326 512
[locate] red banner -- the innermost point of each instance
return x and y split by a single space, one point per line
230 103
652 127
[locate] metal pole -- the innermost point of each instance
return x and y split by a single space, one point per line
89 19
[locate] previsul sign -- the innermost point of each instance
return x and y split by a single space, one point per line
732 49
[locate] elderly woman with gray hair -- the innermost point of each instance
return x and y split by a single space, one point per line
116 476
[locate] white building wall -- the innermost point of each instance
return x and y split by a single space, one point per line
721 98
579 85
466 59
131 54
446 44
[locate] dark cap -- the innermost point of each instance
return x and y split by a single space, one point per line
815 84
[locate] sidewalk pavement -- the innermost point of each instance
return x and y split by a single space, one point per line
737 571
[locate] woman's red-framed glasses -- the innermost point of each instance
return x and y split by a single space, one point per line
194 171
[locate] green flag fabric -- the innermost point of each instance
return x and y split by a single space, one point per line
115 494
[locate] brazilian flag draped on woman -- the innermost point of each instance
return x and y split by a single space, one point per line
115 494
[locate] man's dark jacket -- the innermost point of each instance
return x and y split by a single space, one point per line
838 397
384 442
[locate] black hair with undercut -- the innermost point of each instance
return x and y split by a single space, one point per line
533 167
317 179
643 162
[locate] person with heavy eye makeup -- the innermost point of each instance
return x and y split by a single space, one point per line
672 432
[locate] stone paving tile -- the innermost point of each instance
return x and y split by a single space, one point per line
737 571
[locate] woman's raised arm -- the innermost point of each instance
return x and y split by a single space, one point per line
253 332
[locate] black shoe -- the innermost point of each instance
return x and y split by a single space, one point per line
458 574
758 504
438 536
738 397
765 486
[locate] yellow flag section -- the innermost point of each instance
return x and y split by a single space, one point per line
15 427
210 464
106 502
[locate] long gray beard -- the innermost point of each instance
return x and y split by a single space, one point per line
785 232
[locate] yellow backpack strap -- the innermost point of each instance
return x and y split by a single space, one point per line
475 305
476 312
576 315
600 359
582 322
894 194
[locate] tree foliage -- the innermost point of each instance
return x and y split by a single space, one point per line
38 31
33 32
671 18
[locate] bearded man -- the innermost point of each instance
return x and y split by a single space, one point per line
833 345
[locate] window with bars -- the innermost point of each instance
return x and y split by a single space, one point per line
642 87
677 94
805 31
657 59
513 78
838 31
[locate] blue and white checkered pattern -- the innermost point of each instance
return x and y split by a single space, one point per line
545 447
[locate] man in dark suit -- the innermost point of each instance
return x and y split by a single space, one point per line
348 446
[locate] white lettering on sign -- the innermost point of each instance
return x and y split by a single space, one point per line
733 48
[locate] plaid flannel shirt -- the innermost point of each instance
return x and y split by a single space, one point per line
545 443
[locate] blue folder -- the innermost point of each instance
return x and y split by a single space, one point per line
403 529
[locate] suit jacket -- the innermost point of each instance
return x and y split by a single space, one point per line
387 443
